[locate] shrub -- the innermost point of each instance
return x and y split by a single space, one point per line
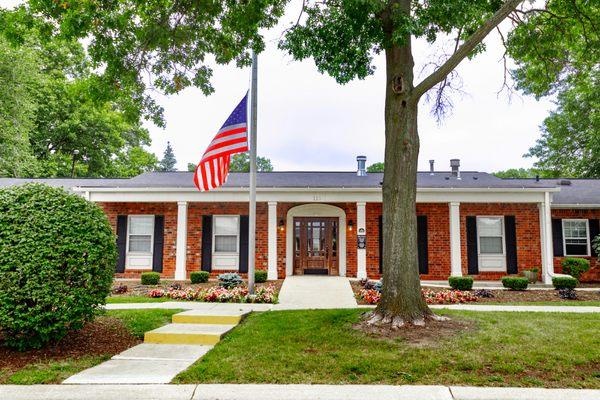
199 276
120 289
567 294
260 276
575 266
150 278
461 282
515 283
57 259
230 280
484 293
378 285
596 245
564 282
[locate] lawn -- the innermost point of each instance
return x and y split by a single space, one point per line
590 303
107 335
500 349
135 299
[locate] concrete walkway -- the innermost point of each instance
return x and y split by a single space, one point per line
315 292
286 392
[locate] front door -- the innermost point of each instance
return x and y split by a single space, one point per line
315 246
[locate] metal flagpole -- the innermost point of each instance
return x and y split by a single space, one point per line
252 213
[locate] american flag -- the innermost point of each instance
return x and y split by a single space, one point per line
232 138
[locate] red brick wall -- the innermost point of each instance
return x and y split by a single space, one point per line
593 275
529 253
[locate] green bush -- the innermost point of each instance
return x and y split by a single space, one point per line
461 282
260 276
199 276
566 282
575 266
150 278
230 280
57 259
515 282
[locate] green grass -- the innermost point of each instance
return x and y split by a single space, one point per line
136 321
588 303
135 299
504 349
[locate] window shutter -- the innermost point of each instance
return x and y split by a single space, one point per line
121 242
206 243
243 243
381 244
510 240
594 232
557 237
472 256
422 245
157 249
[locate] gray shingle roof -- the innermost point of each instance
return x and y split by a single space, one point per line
572 191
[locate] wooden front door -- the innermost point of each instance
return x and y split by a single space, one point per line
315 246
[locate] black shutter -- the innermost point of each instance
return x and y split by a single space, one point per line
594 232
121 242
422 245
243 243
206 243
381 244
472 256
157 250
557 237
510 240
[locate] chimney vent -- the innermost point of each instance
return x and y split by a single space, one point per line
454 166
431 170
362 162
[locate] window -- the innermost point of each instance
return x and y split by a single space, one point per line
490 235
226 232
575 237
141 229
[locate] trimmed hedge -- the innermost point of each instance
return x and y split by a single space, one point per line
260 276
575 266
515 283
57 259
566 282
199 276
461 282
150 278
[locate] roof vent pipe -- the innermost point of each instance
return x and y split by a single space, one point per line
431 170
454 166
362 162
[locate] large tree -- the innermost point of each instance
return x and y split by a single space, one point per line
167 44
168 162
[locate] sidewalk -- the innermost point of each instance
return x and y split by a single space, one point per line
286 392
315 292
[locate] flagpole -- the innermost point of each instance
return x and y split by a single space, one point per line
252 211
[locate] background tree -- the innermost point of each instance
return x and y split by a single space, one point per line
191 167
376 167
524 173
168 162
171 40
241 163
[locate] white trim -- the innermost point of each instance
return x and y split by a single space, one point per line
455 247
315 210
361 229
139 255
272 241
220 256
587 237
181 244
483 257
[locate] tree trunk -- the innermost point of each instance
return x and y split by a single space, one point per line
401 300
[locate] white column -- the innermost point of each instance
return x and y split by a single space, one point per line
455 256
546 240
272 241
361 229
181 245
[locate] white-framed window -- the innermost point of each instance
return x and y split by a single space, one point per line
576 236
226 231
140 234
490 243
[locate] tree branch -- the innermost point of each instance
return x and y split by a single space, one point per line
467 47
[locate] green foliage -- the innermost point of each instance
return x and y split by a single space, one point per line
199 276
191 167
57 259
230 280
241 163
515 283
575 266
376 167
523 173
461 282
596 245
260 276
167 164
566 282
150 278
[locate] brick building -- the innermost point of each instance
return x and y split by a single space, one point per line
469 223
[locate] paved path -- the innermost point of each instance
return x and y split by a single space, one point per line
315 292
286 392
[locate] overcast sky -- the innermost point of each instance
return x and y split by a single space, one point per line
306 121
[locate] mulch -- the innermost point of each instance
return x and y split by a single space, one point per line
103 336
135 288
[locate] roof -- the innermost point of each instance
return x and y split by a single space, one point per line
572 191
66 183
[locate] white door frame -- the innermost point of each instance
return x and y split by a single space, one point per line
315 210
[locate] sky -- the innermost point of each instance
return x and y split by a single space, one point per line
306 121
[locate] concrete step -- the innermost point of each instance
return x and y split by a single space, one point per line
205 334
219 317
161 352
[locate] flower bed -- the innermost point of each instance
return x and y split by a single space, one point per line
372 296
217 294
